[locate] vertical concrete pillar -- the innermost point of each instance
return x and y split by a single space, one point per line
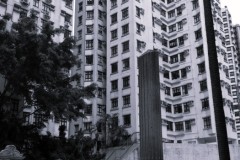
149 107
221 130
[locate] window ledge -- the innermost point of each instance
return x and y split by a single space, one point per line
114 109
126 88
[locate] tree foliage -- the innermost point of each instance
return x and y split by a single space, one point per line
34 68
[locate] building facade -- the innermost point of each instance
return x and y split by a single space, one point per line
60 14
177 29
90 33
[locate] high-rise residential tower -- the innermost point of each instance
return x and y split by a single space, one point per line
177 30
90 33
60 14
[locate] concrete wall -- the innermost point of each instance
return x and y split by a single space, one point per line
188 152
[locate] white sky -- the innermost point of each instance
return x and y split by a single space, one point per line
234 9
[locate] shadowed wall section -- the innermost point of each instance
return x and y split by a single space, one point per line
149 107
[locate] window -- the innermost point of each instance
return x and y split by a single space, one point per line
76 126
179 11
26 117
89 60
182 56
167 91
180 25
127 120
201 68
184 73
114 18
38 119
188 126
196 18
174 58
114 50
169 126
203 85
114 85
114 68
88 76
125 46
198 34
90 14
100 44
46 7
80 6
125 30
172 28
126 64
207 122
114 102
175 75
179 126
195 4
164 42
89 29
113 4
87 126
166 74
69 3
90 2
124 1
164 27
205 104
80 34
126 82
100 14
186 107
100 92
163 13
185 89
36 3
67 33
177 108
200 51
100 29
138 28
126 100
181 40
169 108
169 1
125 13
100 76
138 11
89 44
173 43
176 91
88 110
171 14
80 20
79 49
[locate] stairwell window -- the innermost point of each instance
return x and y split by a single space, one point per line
88 76
126 82
179 11
173 43
169 126
200 51
172 28
125 29
114 51
114 34
125 46
167 91
114 68
126 64
89 44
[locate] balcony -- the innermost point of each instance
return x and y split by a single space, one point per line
25 3
3 2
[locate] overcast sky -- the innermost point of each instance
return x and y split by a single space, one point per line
234 8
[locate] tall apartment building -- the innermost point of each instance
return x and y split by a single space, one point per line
90 32
177 29
60 14
233 56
